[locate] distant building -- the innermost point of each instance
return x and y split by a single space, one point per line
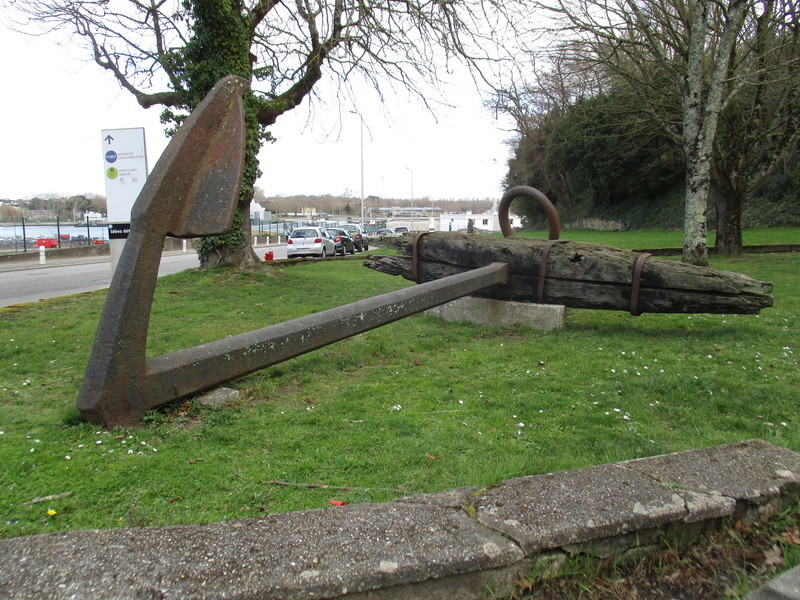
94 217
483 221
256 211
489 221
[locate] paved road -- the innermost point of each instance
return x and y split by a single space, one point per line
29 282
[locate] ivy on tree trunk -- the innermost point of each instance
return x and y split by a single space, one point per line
220 46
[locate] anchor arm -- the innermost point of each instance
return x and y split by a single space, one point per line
188 371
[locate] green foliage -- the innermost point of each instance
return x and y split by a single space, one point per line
527 166
601 154
663 210
220 45
9 214
776 202
601 161
612 152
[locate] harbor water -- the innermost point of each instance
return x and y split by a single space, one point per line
69 234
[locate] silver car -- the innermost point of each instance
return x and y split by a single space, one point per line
309 241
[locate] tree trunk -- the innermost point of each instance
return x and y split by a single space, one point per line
220 46
729 216
695 228
695 234
703 101
237 251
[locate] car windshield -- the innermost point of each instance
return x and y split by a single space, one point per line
304 233
333 232
349 227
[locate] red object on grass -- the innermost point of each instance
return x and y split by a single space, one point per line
337 502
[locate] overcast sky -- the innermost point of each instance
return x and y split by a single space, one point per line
54 106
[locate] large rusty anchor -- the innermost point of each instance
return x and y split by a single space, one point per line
193 191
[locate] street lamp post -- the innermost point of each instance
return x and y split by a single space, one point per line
362 165
363 224
412 196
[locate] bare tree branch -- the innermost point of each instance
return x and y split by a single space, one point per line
170 52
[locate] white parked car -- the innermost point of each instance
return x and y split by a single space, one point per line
309 241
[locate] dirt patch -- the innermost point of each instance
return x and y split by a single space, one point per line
723 565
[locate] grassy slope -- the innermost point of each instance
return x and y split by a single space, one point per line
415 406
657 238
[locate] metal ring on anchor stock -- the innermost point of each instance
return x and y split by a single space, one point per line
415 256
533 194
636 280
543 269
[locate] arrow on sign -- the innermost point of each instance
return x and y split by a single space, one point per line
109 139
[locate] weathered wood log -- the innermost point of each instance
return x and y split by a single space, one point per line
580 275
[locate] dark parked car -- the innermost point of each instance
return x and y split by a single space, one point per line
343 243
359 239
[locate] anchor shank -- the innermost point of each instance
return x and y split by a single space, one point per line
187 371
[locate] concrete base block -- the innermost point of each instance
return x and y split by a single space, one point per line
486 311
221 396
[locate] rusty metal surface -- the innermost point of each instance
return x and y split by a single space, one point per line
539 198
636 281
543 269
188 371
415 256
552 218
193 190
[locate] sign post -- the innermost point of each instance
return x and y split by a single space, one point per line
124 172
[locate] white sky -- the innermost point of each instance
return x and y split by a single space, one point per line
54 106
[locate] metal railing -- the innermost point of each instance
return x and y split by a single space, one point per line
25 235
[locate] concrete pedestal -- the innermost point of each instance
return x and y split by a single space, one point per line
486 311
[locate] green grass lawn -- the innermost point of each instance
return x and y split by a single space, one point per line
416 406
656 238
